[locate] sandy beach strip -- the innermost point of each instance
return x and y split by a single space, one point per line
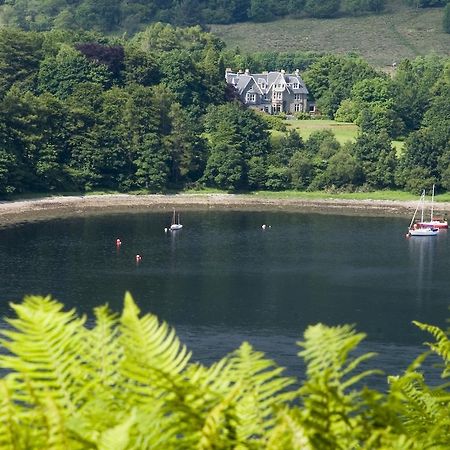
12 212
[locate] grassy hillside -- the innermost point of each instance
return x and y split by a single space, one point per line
397 34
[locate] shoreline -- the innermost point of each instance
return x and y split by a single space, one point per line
20 211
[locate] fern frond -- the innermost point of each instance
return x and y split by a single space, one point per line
118 437
101 356
289 433
218 429
263 390
442 345
153 355
43 348
57 435
425 412
8 417
333 408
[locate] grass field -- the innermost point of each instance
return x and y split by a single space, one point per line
343 131
398 33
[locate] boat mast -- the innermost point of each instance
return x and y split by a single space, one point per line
423 201
415 212
432 203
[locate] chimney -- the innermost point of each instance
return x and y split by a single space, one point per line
247 72
297 72
228 69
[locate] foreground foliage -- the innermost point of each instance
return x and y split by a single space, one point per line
127 382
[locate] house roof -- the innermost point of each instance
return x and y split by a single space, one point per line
241 80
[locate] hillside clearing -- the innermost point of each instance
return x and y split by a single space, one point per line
381 40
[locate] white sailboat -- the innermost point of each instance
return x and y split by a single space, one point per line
175 225
414 228
434 222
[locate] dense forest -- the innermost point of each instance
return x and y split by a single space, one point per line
81 111
131 16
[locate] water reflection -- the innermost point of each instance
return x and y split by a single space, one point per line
422 253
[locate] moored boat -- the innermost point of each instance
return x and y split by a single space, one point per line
414 228
176 225
434 222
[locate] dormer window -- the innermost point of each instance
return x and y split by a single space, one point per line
250 98
295 85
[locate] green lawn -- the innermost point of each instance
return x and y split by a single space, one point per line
343 131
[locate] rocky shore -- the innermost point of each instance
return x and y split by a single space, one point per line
12 212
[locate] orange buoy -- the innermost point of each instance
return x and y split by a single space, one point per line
118 242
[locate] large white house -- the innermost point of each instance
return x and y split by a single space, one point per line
271 92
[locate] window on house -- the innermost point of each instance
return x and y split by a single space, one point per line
297 96
277 95
295 85
298 107
250 97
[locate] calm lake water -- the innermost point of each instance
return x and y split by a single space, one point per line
222 279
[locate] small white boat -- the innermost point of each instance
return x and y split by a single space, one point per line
423 232
414 228
175 225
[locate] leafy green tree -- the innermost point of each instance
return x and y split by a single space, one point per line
331 78
261 11
301 170
322 8
343 169
257 172
377 158
225 165
100 15
180 75
61 75
423 151
412 89
140 67
20 55
188 150
145 121
277 178
284 149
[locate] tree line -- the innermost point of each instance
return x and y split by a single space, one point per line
131 16
80 111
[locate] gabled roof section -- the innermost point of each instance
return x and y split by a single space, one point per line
241 80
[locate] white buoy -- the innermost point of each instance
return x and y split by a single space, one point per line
165 230
263 227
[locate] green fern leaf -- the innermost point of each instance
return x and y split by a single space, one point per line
263 390
8 418
44 346
153 355
289 433
118 437
441 346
